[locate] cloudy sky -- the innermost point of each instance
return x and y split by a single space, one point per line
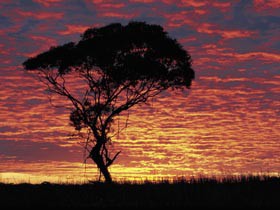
228 123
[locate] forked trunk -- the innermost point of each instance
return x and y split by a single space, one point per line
98 159
103 168
105 172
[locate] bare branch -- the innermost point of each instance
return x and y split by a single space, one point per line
111 161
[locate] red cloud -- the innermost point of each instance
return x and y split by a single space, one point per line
180 19
41 15
266 7
227 34
142 1
227 55
113 6
193 3
266 4
98 1
175 20
74 29
187 39
43 43
47 3
117 15
271 57
223 6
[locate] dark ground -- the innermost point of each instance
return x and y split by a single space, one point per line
241 192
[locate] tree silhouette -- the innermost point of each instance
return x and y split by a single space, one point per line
122 66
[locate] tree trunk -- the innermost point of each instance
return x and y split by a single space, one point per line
105 172
98 159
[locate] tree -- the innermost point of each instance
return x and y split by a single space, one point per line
122 66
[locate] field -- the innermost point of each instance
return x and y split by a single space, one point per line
230 192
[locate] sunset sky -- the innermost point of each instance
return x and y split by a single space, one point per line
228 123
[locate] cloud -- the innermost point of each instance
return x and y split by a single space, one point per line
48 3
40 15
74 29
117 15
227 34
266 4
269 57
30 151
228 121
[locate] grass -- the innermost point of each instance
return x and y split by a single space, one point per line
230 192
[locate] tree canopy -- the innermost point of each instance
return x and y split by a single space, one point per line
122 66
